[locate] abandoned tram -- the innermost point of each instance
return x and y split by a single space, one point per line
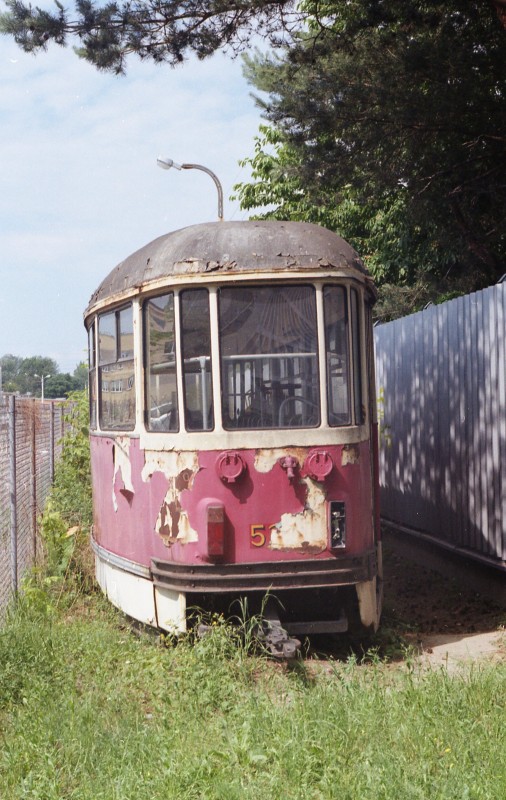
233 428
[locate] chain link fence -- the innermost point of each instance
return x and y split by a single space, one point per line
31 431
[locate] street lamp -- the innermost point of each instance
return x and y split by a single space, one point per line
166 163
42 378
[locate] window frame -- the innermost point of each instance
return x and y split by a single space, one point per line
308 283
119 359
167 292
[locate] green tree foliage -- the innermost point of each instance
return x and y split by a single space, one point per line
389 127
106 33
170 30
61 385
27 379
24 376
81 375
10 369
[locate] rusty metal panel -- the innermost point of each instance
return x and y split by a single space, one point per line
229 247
441 373
264 576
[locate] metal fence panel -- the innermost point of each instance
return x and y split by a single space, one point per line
5 552
441 373
30 443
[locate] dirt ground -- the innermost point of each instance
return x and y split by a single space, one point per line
443 620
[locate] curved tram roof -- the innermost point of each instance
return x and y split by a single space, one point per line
230 247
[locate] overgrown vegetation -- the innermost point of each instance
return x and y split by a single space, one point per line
64 526
90 711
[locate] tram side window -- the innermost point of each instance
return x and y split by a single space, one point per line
116 370
269 363
92 355
358 405
161 382
196 353
337 355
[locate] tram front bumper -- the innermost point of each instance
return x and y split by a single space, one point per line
264 576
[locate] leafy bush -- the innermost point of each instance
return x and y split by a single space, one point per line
64 525
71 493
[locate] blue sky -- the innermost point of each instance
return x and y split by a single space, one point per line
80 189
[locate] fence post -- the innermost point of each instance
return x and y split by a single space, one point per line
12 486
33 487
51 443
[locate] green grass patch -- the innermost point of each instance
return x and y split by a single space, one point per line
90 711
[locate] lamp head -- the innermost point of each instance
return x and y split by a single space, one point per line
166 163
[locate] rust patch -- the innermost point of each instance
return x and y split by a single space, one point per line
350 454
172 523
266 459
167 523
183 480
180 468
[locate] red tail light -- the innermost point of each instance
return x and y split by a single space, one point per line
215 531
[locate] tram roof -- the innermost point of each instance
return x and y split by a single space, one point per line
229 247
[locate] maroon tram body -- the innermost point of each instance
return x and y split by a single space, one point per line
233 430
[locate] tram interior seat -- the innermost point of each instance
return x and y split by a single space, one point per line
163 418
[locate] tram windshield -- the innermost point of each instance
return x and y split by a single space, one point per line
269 357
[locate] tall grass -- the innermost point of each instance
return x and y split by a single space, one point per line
89 711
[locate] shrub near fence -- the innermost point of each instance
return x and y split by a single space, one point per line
30 443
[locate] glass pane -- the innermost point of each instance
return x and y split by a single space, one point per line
126 333
107 338
336 348
91 346
161 382
269 371
357 371
117 396
196 351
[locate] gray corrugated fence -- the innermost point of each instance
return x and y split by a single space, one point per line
441 374
30 443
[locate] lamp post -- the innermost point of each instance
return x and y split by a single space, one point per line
166 163
42 378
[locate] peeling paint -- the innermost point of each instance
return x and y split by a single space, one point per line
170 463
350 454
266 459
180 468
305 530
122 465
172 523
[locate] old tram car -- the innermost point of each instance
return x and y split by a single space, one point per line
233 427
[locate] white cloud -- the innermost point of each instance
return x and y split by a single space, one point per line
80 186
